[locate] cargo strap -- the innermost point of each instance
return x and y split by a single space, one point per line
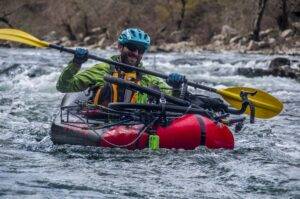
203 130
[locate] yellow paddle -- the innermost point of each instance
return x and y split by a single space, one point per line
266 106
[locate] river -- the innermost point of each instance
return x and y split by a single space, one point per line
264 164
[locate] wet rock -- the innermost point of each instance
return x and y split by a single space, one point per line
177 47
272 41
67 43
278 67
36 73
268 32
51 36
97 30
89 40
283 71
80 43
218 43
296 27
253 45
6 70
5 44
287 33
177 36
235 39
80 36
263 44
113 46
57 42
286 71
98 41
64 39
252 72
101 42
229 31
166 47
5 101
281 66
190 61
218 37
244 40
278 62
101 36
153 49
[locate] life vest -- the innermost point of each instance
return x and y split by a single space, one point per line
115 93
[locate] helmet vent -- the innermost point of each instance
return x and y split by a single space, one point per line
133 33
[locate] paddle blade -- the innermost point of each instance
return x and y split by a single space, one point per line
21 37
266 106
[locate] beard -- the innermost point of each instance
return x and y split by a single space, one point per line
130 59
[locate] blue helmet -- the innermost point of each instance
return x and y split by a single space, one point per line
134 36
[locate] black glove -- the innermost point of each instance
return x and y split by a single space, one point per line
214 104
175 80
80 56
217 105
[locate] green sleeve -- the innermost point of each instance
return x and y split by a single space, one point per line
148 81
71 80
163 86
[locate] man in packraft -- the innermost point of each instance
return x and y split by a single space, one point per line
132 44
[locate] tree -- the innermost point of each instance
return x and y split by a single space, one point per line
257 22
4 16
282 19
182 13
5 20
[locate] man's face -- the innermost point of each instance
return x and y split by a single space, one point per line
131 54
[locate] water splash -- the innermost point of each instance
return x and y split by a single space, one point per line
265 162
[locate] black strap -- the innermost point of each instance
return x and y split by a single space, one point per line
203 130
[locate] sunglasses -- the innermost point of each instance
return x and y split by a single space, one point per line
133 48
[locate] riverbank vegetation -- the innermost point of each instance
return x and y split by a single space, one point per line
244 26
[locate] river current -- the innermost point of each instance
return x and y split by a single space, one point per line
264 164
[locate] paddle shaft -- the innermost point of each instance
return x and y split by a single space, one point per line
195 85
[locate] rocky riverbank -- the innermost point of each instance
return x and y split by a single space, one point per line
185 25
272 42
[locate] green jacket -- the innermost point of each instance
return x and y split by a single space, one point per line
74 80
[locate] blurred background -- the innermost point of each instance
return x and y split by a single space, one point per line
212 25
